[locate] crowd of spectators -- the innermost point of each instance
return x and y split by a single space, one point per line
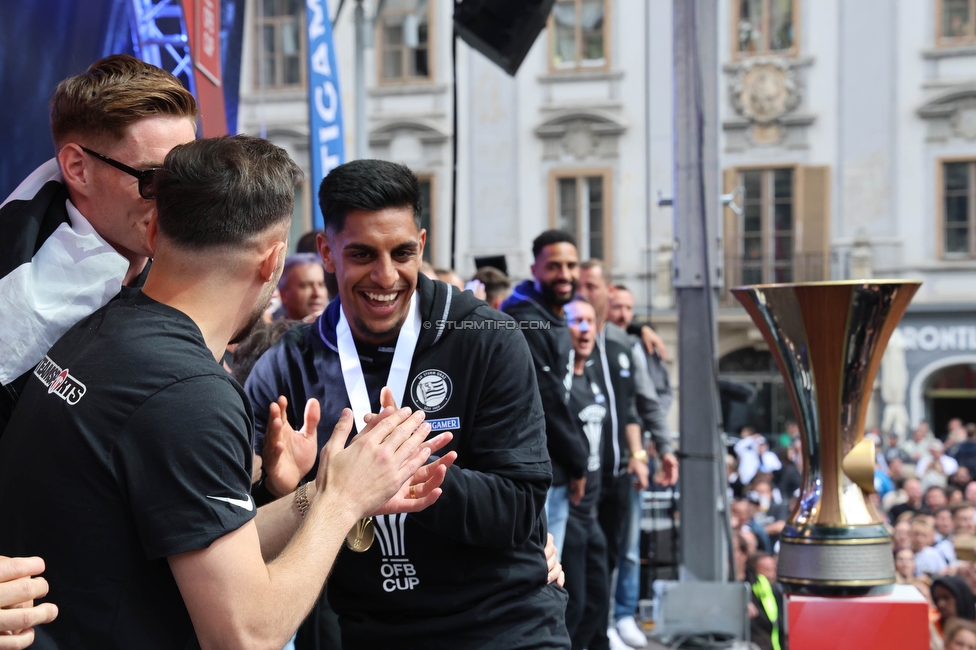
924 487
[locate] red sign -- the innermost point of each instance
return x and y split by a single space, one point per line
206 57
203 24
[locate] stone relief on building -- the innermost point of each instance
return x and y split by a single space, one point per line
765 93
416 141
579 140
580 135
951 114
963 120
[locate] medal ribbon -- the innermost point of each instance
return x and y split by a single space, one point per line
352 369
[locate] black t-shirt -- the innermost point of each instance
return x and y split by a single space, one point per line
587 404
129 444
900 509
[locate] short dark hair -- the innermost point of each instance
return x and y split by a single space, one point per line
621 287
754 558
496 282
550 237
308 243
224 191
369 185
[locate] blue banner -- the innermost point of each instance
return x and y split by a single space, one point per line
325 110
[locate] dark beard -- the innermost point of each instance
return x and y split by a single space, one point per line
246 331
377 338
549 295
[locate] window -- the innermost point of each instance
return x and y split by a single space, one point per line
426 211
581 207
764 27
404 41
959 209
783 231
767 226
950 393
578 34
279 44
956 22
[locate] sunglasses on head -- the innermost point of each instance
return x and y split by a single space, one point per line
145 176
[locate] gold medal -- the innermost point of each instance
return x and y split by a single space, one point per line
360 538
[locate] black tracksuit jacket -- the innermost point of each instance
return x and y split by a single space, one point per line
551 348
470 569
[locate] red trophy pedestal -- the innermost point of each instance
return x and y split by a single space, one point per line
899 620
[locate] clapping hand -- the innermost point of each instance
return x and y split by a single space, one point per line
289 455
415 494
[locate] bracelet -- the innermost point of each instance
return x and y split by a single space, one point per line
640 455
301 499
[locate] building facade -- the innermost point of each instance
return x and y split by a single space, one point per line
848 138
856 159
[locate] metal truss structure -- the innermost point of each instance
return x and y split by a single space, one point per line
159 37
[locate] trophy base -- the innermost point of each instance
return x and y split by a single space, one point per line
834 590
836 561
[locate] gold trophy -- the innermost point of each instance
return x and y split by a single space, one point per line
828 339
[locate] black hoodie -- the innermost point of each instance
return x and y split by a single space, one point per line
965 601
470 569
551 347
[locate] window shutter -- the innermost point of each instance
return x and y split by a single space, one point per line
730 232
812 242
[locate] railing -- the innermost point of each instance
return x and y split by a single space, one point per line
802 268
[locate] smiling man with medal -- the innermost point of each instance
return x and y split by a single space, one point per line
468 571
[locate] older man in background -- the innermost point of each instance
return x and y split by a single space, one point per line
302 287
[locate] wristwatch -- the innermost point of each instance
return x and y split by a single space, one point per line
640 455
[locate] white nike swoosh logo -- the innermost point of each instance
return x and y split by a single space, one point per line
247 504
